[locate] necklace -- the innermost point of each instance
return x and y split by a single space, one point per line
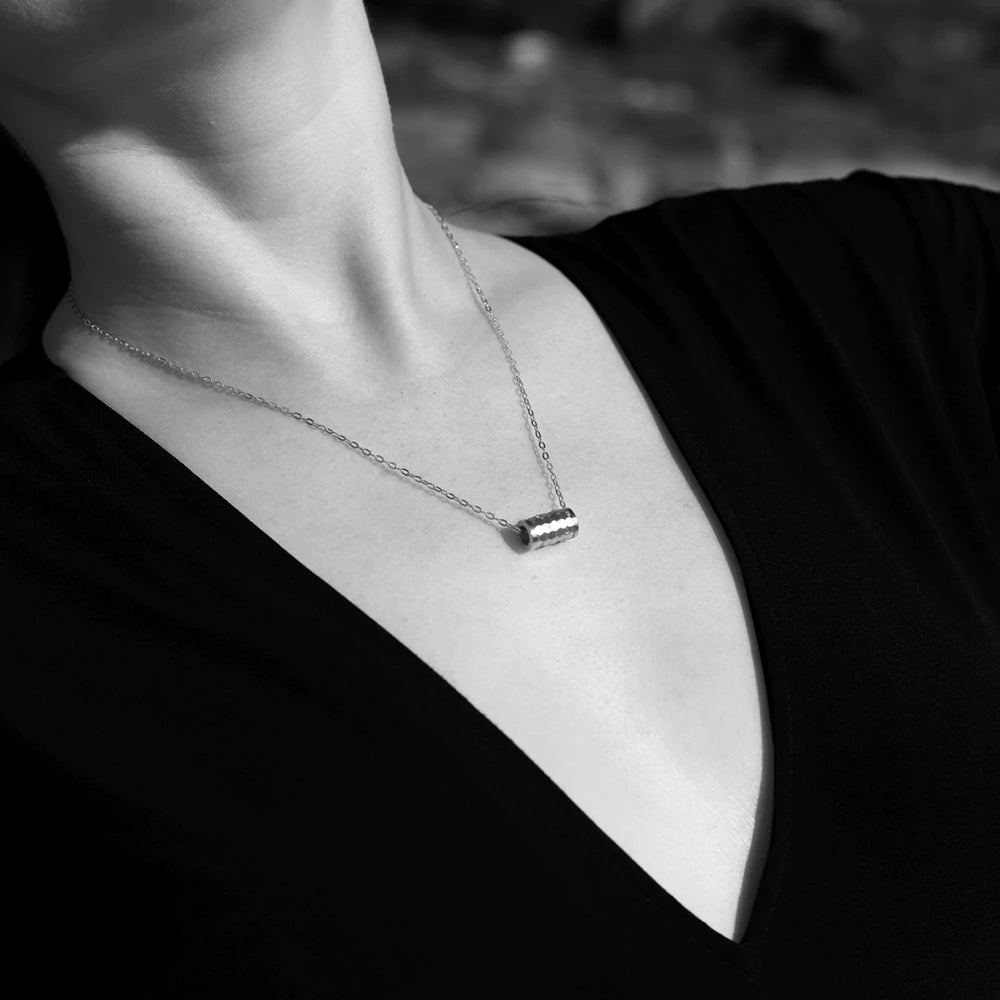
541 530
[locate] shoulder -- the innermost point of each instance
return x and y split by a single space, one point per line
866 229
864 204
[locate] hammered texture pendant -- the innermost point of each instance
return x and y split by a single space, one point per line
548 529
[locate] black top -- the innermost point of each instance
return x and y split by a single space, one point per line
225 789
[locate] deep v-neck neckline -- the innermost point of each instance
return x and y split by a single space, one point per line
569 255
746 952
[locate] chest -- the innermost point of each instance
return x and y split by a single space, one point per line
622 663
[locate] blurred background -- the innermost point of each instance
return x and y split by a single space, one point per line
541 115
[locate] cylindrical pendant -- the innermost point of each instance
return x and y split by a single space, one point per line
548 529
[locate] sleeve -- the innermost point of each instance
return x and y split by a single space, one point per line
895 279
954 232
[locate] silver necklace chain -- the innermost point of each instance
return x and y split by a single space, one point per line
394 467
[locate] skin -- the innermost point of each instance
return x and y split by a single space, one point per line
227 181
226 178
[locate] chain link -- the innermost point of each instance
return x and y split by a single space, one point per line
394 467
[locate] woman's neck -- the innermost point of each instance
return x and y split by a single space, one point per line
231 196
